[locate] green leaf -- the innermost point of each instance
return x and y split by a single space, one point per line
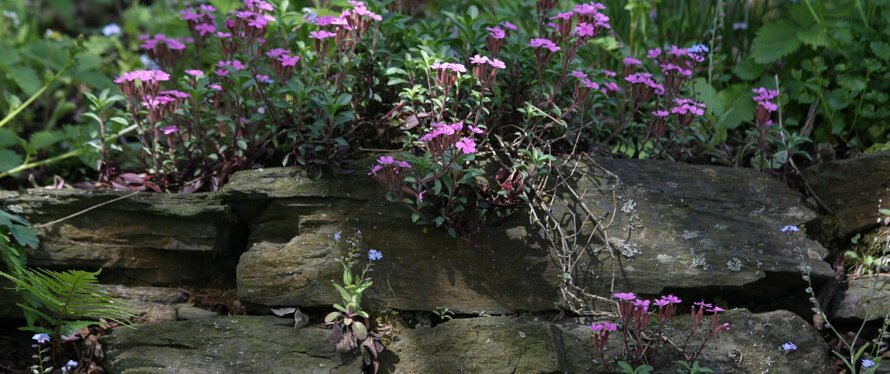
815 36
361 332
25 78
885 212
880 49
45 139
331 317
772 42
8 138
738 106
9 159
24 235
748 70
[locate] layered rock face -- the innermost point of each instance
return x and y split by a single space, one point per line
700 230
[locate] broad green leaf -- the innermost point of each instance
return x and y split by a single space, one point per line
773 42
8 138
9 159
815 36
25 78
748 70
44 139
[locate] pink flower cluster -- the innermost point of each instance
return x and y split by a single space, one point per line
643 87
485 69
284 62
765 105
141 83
444 136
223 67
388 171
165 50
346 29
544 43
201 20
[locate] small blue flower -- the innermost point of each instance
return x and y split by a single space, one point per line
111 29
867 363
699 49
41 338
374 255
789 346
790 229
71 364
337 236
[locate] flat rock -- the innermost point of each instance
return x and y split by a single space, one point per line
676 225
188 311
751 345
865 299
490 345
145 239
852 189
236 344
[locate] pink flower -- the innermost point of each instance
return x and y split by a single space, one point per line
685 106
497 64
590 84
287 60
478 60
466 145
672 299
579 74
496 32
385 160
543 43
509 26
660 113
585 30
459 68
630 61
589 9
661 303
205 28
610 87
195 73
608 73
325 20
167 130
475 130
175 94
275 53
216 87
625 296
654 53
321 35
605 326
642 304
567 16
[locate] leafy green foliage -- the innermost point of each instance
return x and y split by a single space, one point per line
772 42
62 303
15 235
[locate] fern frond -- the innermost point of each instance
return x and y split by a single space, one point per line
59 298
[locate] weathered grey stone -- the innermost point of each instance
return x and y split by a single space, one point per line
686 227
477 345
751 345
500 344
145 239
236 344
254 344
188 311
852 189
863 299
